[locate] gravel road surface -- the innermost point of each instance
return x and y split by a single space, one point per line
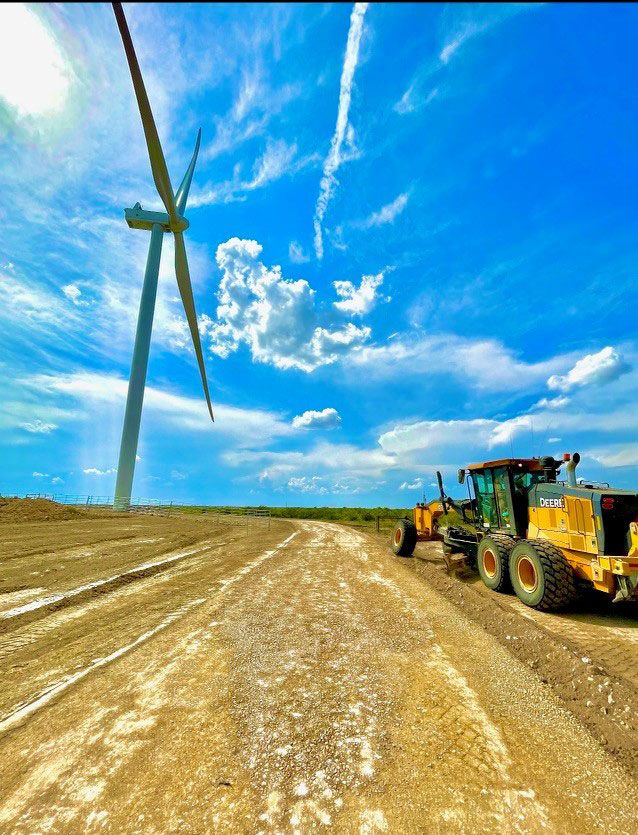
216 677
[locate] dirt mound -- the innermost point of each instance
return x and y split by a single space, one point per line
37 510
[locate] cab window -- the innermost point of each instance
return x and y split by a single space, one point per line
502 491
484 489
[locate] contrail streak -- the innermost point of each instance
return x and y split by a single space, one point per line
335 158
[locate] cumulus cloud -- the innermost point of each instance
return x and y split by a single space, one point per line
274 316
387 213
57 480
592 369
417 484
98 472
39 475
344 132
360 300
325 419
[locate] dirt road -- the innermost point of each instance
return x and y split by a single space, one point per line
279 679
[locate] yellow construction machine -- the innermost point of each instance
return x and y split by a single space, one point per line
525 530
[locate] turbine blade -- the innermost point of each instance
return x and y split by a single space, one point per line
155 153
186 292
182 192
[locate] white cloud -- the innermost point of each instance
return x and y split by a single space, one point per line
322 486
552 403
360 300
619 455
98 472
484 364
245 425
323 457
603 367
411 101
430 434
274 316
554 440
57 480
176 475
34 75
458 40
38 427
304 484
417 484
325 419
29 305
296 253
40 475
387 213
279 159
274 162
73 292
469 20
255 105
343 131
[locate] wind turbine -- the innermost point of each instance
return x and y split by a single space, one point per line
158 223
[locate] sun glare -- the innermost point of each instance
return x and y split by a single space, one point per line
34 78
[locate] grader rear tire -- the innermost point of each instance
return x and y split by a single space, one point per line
493 561
404 538
541 576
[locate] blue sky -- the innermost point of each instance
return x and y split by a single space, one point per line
412 242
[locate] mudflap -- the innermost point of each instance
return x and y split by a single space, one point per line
625 589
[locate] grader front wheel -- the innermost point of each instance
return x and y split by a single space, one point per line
404 538
493 561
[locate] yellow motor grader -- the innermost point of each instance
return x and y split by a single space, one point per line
525 530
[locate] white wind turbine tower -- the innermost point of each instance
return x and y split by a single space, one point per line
158 223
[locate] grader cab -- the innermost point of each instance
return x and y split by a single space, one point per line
541 537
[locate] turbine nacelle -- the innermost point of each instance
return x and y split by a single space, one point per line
139 218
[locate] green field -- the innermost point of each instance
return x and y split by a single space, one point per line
360 516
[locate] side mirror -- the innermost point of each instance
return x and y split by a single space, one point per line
461 476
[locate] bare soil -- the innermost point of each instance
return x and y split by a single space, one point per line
14 511
287 677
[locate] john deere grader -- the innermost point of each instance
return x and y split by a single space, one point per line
525 530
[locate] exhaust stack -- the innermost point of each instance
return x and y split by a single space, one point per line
572 463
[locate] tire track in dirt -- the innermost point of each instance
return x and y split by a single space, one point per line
605 633
23 711
19 615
